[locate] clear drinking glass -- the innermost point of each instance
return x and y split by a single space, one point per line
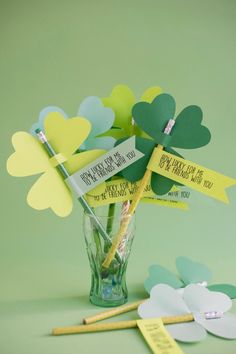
108 285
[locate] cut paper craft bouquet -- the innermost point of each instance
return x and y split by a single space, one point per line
118 140
117 151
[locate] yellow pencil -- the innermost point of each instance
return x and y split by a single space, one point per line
134 203
117 325
112 312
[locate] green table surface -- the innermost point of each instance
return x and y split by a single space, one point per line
59 52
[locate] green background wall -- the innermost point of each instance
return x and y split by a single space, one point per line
59 52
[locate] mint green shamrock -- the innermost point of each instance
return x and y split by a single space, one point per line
189 272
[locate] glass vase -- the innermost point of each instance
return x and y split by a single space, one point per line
108 285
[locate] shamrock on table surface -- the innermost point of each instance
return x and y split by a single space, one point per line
152 118
30 158
209 308
121 101
189 272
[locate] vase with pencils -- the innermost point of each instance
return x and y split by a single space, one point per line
108 285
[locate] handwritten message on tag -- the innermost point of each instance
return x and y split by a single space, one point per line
191 174
105 167
157 337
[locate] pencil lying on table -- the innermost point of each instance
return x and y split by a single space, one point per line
112 312
117 325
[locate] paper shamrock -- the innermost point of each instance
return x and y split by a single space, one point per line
122 100
101 119
189 272
152 118
42 115
210 310
65 135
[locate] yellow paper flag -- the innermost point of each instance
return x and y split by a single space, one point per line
191 174
157 337
167 203
120 190
115 191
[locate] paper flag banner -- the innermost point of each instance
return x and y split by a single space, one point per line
65 135
209 310
101 119
105 167
158 337
120 190
115 191
175 198
190 174
167 203
189 272
177 193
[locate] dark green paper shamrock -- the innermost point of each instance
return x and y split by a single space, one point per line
152 118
